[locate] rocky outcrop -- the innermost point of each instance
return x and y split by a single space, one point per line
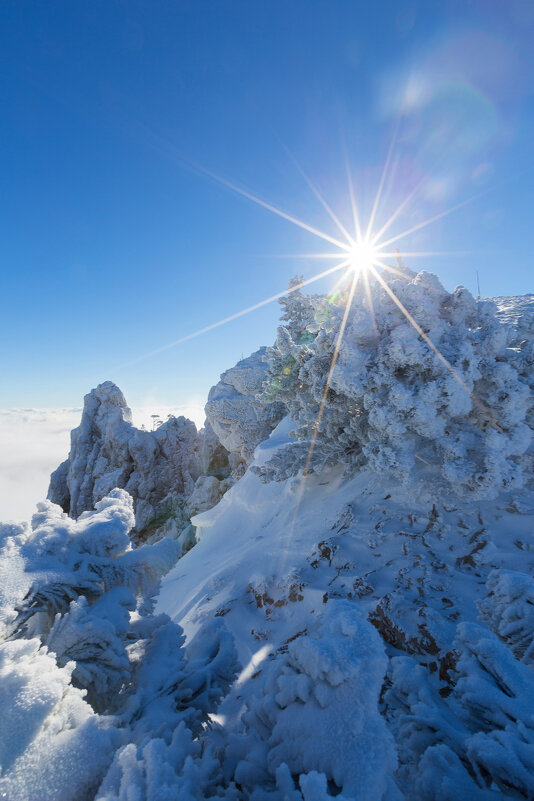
158 468
239 420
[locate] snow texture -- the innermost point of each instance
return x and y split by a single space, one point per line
157 468
352 621
445 406
239 420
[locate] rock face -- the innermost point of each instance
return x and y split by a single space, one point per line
158 468
239 420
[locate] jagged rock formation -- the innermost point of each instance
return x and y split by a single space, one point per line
377 620
158 468
238 418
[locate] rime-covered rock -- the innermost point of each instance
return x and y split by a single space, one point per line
157 468
323 637
239 419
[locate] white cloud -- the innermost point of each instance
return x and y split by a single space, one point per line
33 442
142 415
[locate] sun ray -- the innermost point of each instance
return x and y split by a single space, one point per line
436 217
355 215
476 401
304 255
411 194
395 271
238 314
369 296
319 197
304 475
339 282
393 254
382 181
418 328
400 208
333 363
264 204
390 269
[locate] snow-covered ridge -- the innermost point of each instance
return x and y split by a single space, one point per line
354 620
516 310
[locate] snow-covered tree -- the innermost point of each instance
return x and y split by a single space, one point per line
85 581
79 625
442 405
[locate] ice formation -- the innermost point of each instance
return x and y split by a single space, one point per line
352 615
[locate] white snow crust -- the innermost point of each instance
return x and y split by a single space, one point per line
351 620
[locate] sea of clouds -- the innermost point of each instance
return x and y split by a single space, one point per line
33 442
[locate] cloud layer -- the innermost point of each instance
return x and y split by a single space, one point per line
33 442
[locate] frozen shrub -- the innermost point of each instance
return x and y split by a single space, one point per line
173 692
509 610
93 638
317 710
87 557
476 742
455 422
85 581
89 602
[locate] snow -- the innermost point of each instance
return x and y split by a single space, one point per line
359 630
238 418
34 441
51 744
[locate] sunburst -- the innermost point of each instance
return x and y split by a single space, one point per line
359 256
360 253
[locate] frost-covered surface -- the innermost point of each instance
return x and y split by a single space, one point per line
517 310
445 411
88 674
353 622
239 419
158 468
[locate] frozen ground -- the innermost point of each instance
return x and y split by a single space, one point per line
354 621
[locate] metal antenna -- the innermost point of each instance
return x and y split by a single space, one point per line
478 286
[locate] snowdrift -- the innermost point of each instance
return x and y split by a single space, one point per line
354 617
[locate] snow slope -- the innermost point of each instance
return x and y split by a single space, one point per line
354 621
274 559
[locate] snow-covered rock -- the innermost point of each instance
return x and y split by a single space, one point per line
157 468
239 419
335 633
273 558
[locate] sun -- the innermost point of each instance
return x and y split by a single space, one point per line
362 256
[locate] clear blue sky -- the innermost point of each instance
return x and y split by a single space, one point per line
113 245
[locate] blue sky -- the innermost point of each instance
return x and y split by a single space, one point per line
113 243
